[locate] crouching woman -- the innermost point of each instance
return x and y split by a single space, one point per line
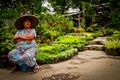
23 56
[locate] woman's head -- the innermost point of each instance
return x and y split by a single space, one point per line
26 24
26 21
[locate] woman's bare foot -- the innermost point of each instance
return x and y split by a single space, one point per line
36 68
15 69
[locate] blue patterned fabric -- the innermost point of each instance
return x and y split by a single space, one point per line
24 53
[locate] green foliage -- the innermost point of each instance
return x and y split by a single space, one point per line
113 41
60 6
109 31
96 34
52 49
81 30
115 22
113 37
8 13
6 43
89 14
106 31
52 26
48 52
46 57
74 41
92 28
112 44
92 35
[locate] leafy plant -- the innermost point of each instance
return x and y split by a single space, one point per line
46 57
113 37
112 44
71 40
90 29
53 49
6 43
81 30
52 26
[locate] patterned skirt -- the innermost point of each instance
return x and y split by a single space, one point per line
23 54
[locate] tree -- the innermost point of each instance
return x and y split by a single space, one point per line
60 6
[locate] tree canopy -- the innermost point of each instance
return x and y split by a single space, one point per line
12 8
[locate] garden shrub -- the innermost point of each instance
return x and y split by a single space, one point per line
53 49
46 57
109 31
106 31
81 30
112 44
92 28
74 41
113 37
112 48
52 26
6 43
47 53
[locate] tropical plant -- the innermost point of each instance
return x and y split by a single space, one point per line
74 41
6 43
46 57
112 44
53 26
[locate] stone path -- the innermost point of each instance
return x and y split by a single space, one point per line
87 65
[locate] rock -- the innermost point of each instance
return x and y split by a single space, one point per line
98 40
94 47
62 76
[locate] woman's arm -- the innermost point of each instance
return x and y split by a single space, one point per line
24 37
18 38
30 36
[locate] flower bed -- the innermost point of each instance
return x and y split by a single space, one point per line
54 53
74 41
112 48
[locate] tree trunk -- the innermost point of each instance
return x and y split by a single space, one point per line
83 23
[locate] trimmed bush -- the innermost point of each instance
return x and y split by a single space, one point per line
112 48
53 49
74 41
113 37
112 44
46 57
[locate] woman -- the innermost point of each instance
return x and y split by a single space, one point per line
25 50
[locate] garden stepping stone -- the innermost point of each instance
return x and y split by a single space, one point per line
96 44
94 47
98 40
62 76
89 54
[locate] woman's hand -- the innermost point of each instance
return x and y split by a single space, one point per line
28 37
18 38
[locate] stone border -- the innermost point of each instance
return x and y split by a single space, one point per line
4 62
114 52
